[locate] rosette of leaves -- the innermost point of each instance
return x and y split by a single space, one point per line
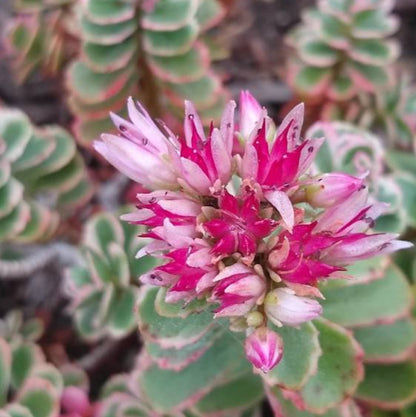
13 327
106 71
154 51
353 150
178 57
342 48
29 386
392 111
105 289
197 363
41 174
38 36
361 349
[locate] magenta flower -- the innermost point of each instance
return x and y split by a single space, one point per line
238 289
239 226
277 165
162 161
232 216
264 349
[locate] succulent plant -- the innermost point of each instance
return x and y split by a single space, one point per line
39 36
31 387
104 291
392 111
14 328
178 57
41 175
34 386
328 365
356 151
244 267
341 49
126 49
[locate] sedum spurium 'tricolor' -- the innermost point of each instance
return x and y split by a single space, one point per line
239 221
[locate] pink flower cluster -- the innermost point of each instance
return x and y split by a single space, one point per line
238 219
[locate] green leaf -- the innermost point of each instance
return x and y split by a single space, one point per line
342 88
104 106
107 12
373 76
49 373
64 179
121 319
119 265
177 359
379 301
373 23
389 386
85 316
102 36
374 51
209 13
104 58
76 197
169 15
17 410
170 43
201 92
179 309
323 159
5 370
15 131
300 357
187 67
170 331
387 342
101 230
339 369
93 87
223 361
286 408
11 195
333 31
37 150
63 152
23 359
245 391
407 183
15 222
317 53
312 79
39 397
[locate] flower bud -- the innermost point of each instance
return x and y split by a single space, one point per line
330 189
75 400
250 113
264 349
283 306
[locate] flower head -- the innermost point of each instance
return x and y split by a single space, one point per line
238 226
245 227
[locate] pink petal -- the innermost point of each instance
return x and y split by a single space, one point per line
283 205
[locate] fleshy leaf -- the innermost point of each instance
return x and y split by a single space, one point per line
389 386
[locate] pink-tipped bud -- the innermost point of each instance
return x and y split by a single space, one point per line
264 349
250 113
330 189
283 306
75 401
